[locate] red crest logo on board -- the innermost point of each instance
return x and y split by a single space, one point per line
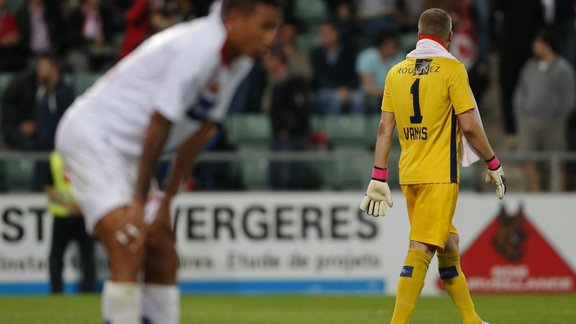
512 256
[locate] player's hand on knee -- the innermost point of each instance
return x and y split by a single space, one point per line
163 212
162 225
496 176
378 197
132 233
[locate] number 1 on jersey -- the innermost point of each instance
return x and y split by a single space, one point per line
415 91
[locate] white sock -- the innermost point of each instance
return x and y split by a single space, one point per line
121 302
161 304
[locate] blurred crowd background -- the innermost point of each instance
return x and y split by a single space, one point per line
315 96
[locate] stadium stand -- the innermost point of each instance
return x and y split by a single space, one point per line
311 11
83 81
249 130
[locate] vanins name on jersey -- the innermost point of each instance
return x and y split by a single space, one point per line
415 133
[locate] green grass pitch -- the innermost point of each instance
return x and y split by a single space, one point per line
496 309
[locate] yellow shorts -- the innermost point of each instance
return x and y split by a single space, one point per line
431 209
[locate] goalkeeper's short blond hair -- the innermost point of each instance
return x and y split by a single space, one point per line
435 22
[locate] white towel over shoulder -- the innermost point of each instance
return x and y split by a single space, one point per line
426 48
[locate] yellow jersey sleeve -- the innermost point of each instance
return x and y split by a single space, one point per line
460 93
387 98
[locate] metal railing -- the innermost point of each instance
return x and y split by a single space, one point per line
553 160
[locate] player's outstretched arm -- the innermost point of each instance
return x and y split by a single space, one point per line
154 139
477 138
378 197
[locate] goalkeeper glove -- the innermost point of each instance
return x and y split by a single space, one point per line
496 176
378 197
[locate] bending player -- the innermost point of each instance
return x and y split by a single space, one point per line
169 94
428 98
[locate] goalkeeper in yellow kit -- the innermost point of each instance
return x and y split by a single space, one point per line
428 98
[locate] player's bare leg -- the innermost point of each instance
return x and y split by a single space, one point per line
122 295
161 299
411 280
160 245
454 280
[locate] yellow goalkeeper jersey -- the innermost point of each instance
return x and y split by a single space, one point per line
425 95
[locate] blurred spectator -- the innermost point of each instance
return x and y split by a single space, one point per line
376 16
560 15
298 62
471 40
344 18
137 26
53 97
89 39
40 27
143 19
335 79
517 26
10 59
289 118
19 111
373 65
408 13
480 72
543 102
248 96
184 10
190 9
482 17
32 104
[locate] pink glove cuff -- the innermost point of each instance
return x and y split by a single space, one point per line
379 174
493 163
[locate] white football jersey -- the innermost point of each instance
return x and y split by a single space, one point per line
178 72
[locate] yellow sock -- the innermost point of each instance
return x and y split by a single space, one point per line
410 285
455 284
